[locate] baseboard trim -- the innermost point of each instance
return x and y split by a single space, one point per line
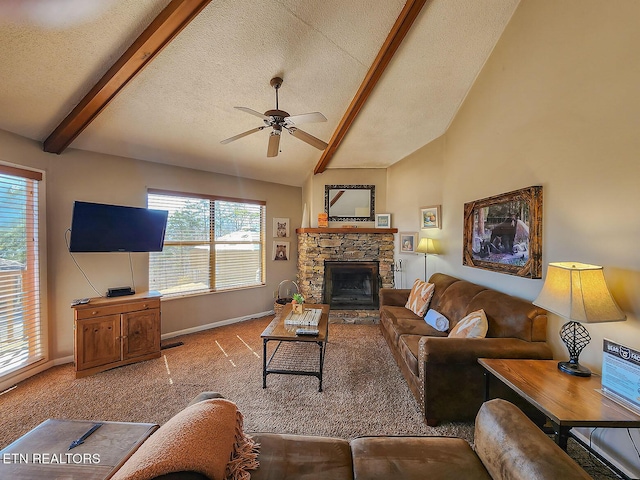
41 367
31 371
209 326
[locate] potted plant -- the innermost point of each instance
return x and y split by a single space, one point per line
297 303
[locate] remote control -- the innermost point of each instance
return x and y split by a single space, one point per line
307 331
80 301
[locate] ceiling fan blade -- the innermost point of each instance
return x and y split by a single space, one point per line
312 117
240 135
274 144
253 112
307 137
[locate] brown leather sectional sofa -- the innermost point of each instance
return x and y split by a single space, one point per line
507 445
443 373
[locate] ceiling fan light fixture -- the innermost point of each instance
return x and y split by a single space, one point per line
278 119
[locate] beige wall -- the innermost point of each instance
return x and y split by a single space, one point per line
79 175
416 182
557 105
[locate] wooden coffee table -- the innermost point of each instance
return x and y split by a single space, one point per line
566 400
295 354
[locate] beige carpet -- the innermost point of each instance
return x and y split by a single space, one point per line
364 391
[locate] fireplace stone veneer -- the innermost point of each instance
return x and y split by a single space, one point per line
317 245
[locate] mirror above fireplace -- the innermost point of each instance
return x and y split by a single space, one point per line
350 203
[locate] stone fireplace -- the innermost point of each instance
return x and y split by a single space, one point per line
353 249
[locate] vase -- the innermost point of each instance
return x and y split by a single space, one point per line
298 307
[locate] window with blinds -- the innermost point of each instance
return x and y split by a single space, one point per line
211 244
20 323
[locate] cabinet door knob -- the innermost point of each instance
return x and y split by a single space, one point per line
144 305
95 312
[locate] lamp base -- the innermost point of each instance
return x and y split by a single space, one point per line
574 369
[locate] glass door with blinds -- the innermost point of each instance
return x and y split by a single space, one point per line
20 322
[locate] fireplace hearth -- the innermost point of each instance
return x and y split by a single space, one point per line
351 285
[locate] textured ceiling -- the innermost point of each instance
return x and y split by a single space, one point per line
180 107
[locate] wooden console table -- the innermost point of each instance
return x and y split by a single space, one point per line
116 331
42 453
566 400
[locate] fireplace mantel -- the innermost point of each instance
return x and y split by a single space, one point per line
346 230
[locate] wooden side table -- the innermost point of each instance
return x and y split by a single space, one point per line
566 400
42 453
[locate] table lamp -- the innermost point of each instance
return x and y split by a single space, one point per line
428 247
577 291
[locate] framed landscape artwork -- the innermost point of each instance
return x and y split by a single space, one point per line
503 233
430 217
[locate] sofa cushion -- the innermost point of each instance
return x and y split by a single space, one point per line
415 458
419 297
510 317
301 457
473 325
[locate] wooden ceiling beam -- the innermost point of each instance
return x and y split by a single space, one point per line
397 34
162 30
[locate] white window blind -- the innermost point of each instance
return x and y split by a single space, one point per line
210 244
20 323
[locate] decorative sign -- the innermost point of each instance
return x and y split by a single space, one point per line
621 374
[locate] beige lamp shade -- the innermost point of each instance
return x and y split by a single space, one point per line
578 291
427 246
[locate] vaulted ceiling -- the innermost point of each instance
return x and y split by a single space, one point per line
334 56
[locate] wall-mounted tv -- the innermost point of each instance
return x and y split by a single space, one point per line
96 227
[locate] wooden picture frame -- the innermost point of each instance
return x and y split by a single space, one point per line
503 233
408 242
430 217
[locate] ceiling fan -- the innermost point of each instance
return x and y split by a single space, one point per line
278 119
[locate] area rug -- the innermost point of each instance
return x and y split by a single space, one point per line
364 392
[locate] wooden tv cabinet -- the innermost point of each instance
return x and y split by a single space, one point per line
115 331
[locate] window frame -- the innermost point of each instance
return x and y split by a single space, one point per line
212 242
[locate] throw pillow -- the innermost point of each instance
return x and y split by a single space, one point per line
420 296
437 320
474 325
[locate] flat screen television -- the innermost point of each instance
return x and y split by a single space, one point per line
97 227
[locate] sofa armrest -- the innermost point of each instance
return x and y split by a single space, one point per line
511 446
467 350
396 297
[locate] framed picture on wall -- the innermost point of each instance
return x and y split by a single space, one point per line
280 227
503 233
408 242
383 220
280 250
430 217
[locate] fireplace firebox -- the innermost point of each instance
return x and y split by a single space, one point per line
351 285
